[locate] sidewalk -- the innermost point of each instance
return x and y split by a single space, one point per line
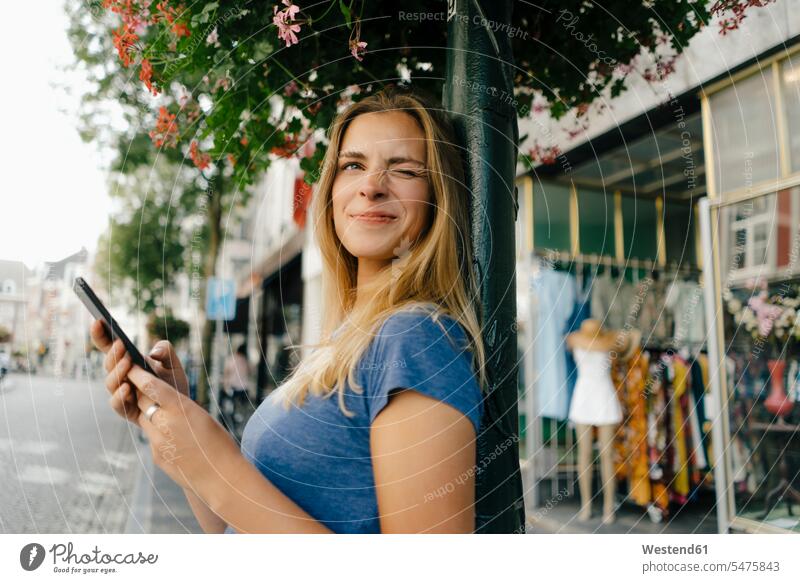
159 504
562 519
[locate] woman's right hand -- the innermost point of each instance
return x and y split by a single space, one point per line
118 362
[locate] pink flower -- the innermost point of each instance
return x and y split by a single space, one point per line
358 48
766 313
213 38
292 8
285 22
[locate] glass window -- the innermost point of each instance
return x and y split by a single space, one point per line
596 221
762 357
748 246
744 133
640 227
551 216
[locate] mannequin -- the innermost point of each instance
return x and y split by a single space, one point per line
595 404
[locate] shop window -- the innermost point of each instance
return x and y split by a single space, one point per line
745 134
551 216
749 247
640 227
679 227
761 297
596 221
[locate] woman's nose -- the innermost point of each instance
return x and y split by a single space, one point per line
373 183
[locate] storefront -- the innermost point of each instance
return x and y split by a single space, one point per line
752 239
683 223
615 239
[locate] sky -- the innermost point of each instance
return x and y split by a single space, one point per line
53 197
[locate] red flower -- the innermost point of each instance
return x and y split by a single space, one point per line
289 147
201 159
166 130
146 75
232 159
180 29
170 14
125 41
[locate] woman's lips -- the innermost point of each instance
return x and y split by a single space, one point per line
380 220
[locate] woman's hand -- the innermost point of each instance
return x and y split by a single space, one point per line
118 363
187 443
179 427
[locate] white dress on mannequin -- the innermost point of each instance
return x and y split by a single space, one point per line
594 401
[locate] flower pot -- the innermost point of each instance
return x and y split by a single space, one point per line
777 402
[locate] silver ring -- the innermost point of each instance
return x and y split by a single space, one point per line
151 410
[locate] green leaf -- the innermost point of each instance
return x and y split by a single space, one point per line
346 11
205 14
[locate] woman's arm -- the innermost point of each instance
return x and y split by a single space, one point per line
423 455
249 503
209 522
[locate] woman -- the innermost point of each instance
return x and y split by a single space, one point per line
395 450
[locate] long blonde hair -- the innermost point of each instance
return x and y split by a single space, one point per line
436 271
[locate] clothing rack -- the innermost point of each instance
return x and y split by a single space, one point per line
597 259
694 348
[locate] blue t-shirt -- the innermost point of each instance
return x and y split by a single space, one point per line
320 458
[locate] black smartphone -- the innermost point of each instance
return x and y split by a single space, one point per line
99 311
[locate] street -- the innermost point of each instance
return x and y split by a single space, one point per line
69 463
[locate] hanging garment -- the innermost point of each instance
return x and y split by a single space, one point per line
634 463
612 301
659 437
685 300
681 460
595 401
555 301
699 398
793 382
698 449
655 321
647 317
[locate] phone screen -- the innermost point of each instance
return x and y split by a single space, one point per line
100 312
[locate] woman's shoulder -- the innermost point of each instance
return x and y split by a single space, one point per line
419 321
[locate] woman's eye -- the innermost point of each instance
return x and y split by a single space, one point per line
407 173
347 165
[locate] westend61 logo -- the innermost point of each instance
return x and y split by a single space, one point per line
65 560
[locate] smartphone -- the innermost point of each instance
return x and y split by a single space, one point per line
99 311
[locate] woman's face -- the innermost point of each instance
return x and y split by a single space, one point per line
381 170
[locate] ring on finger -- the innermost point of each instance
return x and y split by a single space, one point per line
151 410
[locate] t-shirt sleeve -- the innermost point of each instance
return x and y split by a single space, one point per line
412 351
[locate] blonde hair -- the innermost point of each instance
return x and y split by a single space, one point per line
437 271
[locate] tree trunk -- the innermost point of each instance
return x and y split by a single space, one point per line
478 93
214 218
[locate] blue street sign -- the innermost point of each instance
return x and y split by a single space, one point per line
220 299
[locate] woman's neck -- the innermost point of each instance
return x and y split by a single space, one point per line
368 270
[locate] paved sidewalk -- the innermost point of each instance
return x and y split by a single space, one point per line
159 504
698 518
